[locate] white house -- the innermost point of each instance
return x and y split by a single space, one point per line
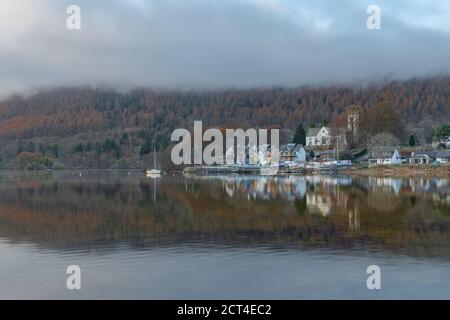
385 157
318 137
443 156
423 157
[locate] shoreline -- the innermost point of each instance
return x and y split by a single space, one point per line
402 171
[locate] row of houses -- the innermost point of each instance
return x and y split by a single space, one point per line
386 157
288 153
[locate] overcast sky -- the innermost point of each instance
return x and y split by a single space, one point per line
219 43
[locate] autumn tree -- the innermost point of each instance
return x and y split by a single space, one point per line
69 116
33 161
383 118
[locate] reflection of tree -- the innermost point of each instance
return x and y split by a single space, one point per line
300 205
442 205
383 201
413 201
67 211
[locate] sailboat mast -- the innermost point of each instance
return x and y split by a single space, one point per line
154 158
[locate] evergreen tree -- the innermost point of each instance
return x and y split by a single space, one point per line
146 147
412 140
300 135
30 147
442 132
54 149
78 148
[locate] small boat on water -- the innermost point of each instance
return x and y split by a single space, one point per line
155 172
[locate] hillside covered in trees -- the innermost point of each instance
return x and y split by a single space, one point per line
102 128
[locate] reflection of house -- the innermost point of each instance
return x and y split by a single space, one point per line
392 184
318 137
382 157
354 222
443 156
423 157
292 152
318 203
250 187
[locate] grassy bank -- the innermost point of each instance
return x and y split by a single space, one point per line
434 171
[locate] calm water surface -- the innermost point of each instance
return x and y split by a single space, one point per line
284 237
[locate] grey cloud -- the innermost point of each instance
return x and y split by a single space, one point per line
220 43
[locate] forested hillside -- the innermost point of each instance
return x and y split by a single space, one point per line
105 128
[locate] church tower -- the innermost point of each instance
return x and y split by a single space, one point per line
353 116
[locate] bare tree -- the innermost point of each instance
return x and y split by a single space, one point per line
382 142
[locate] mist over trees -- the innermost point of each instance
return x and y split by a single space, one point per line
87 126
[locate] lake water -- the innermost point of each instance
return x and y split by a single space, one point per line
244 237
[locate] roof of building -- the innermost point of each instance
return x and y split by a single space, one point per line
290 148
424 154
443 154
312 132
405 154
382 153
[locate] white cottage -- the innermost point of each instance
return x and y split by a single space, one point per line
443 156
385 157
423 157
318 137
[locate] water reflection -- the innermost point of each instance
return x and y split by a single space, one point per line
67 211
222 237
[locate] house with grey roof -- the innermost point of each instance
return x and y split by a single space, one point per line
318 137
424 157
443 156
292 152
384 156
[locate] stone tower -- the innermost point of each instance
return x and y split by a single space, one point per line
353 116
